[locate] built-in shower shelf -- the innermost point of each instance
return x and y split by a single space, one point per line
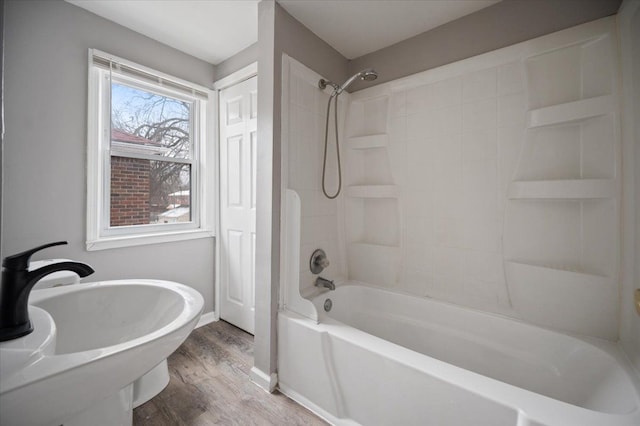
563 189
370 141
374 246
571 111
570 270
373 191
563 276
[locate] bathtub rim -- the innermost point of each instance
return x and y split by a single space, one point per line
500 392
610 348
533 406
599 342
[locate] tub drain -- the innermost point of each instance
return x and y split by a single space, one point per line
328 304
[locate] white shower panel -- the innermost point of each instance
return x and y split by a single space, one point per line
499 175
305 108
562 226
491 183
446 167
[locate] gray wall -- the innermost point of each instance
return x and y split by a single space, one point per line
499 25
633 337
629 30
1 111
236 62
267 276
278 33
46 45
299 42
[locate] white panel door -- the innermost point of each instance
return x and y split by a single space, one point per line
238 126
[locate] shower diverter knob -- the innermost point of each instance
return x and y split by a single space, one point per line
318 261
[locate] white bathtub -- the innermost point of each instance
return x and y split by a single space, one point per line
381 358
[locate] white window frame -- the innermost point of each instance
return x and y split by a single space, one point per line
103 69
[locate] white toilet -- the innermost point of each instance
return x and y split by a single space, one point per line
147 386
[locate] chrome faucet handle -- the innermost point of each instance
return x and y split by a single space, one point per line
318 261
323 261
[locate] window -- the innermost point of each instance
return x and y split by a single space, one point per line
146 174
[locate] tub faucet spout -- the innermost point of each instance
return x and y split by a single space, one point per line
323 282
16 285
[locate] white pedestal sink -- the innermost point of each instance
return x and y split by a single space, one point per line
90 342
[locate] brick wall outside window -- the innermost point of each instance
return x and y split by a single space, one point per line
129 191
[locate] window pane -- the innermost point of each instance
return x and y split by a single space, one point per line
170 192
147 123
149 192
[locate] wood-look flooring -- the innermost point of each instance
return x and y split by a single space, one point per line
210 386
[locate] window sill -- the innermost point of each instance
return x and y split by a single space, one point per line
139 240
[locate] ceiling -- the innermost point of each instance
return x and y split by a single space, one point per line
211 30
214 30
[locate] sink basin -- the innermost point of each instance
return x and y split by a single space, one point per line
91 341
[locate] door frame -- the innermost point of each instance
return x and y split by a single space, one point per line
234 78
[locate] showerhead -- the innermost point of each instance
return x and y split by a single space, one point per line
368 74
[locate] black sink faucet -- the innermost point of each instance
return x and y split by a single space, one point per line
17 282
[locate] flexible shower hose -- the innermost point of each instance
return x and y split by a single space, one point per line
326 137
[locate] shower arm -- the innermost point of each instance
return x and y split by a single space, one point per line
322 84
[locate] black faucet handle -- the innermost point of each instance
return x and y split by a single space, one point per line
20 261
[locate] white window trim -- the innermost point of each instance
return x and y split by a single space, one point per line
99 235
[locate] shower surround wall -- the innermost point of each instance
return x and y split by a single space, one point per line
435 189
303 136
491 183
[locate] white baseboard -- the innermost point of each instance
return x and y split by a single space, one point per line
207 318
262 379
315 409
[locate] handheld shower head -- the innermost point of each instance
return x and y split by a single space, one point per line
368 74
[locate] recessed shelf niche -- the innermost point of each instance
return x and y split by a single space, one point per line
371 206
373 191
563 189
578 71
582 149
561 229
368 116
370 141
570 111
